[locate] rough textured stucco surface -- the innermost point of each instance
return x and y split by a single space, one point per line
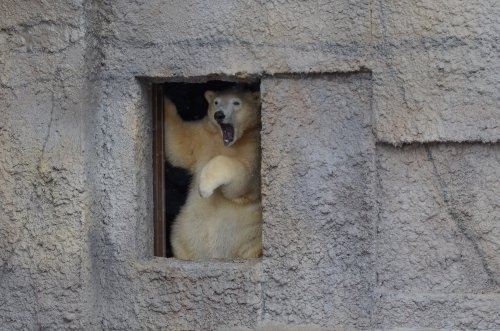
360 232
318 259
438 248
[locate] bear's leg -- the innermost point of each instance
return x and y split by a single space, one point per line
252 243
250 250
180 249
180 252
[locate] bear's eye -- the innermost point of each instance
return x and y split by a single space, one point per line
236 103
216 102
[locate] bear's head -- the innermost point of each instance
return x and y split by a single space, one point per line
234 112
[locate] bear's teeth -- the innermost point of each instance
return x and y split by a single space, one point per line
227 133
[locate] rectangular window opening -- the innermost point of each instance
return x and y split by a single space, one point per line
171 184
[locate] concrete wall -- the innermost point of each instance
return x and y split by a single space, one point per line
381 164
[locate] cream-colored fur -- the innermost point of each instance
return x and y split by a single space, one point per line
222 216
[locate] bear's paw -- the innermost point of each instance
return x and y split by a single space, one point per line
213 175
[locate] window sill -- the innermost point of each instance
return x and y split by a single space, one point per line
161 264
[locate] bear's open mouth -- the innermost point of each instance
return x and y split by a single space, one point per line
227 133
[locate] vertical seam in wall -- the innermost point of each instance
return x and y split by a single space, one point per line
35 197
260 323
378 190
375 199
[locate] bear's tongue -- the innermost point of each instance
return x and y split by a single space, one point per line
227 133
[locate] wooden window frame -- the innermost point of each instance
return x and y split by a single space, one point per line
160 225
161 245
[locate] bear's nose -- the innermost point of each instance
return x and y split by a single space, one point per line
219 116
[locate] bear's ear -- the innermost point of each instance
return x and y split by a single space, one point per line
256 96
210 96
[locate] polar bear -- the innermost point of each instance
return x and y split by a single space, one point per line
222 216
